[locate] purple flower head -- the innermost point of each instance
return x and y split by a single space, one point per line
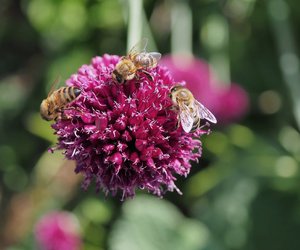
58 231
227 104
125 136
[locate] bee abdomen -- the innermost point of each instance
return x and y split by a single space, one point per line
196 124
73 92
145 60
68 94
148 61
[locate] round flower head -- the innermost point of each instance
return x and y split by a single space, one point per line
125 136
58 231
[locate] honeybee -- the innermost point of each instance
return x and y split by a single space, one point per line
52 107
136 60
190 110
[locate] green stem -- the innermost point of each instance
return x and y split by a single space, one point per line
215 38
288 58
135 22
181 28
138 25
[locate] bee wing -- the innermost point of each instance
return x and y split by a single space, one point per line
204 113
155 55
138 48
186 118
54 85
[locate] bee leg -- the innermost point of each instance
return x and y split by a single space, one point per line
65 117
148 75
178 122
69 108
58 116
68 117
61 115
173 108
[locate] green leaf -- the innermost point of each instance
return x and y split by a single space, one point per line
150 223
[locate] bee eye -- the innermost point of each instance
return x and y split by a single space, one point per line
119 78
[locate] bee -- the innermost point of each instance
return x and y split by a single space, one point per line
136 60
190 110
52 107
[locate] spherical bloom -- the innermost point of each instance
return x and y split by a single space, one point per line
58 231
125 136
227 104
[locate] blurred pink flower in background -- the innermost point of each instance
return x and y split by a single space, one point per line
227 103
58 231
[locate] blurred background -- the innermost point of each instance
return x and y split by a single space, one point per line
240 58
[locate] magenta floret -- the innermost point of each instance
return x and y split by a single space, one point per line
125 136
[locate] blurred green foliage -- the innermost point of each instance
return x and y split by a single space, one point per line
243 194
156 224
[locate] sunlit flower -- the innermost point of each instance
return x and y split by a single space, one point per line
58 231
125 136
228 104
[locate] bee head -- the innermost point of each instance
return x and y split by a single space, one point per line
117 76
172 94
44 111
174 89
